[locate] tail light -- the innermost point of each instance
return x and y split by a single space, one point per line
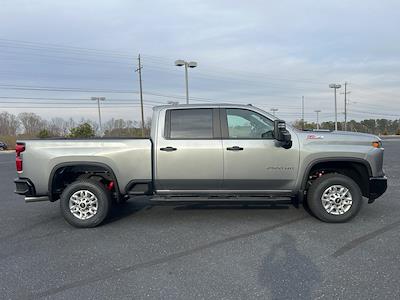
19 148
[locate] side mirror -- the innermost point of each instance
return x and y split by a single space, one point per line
281 134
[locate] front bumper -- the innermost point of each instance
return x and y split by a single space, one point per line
377 186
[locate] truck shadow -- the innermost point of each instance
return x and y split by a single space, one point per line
287 273
129 208
126 209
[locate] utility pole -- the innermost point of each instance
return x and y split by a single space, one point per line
302 112
139 70
317 111
274 110
98 99
335 87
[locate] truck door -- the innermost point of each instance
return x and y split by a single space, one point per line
253 159
189 157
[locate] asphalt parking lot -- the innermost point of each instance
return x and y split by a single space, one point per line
200 253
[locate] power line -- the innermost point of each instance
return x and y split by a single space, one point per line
125 55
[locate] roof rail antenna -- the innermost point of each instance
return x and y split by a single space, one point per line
249 104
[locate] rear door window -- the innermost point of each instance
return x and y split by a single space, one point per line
191 123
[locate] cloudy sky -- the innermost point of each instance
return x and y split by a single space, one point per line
54 55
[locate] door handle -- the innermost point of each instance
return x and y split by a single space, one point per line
234 148
168 149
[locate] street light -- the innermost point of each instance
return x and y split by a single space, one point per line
98 99
317 111
274 110
335 87
191 64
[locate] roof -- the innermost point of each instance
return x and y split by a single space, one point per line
200 105
214 105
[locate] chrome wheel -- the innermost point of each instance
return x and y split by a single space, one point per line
83 204
337 199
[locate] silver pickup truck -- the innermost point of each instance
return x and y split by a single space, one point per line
205 153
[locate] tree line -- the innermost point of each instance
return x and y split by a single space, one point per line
372 126
31 125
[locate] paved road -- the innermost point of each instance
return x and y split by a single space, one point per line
200 253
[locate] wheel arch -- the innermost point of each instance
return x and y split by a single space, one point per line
91 167
356 168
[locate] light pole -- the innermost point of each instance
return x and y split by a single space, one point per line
317 111
335 87
274 110
345 105
98 99
191 64
302 112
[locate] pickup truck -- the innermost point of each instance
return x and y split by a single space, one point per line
210 154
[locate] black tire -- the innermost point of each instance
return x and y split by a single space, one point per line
2 148
103 203
317 189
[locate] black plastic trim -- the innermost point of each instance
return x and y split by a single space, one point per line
77 163
377 186
23 186
333 159
133 183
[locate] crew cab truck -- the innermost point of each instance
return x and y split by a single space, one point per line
205 153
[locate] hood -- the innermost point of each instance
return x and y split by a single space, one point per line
342 137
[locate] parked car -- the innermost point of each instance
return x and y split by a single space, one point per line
208 154
3 146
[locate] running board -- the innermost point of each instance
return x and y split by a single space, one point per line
219 199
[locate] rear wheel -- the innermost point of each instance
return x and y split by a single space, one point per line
334 198
85 203
2 148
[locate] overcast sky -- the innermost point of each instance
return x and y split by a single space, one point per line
56 54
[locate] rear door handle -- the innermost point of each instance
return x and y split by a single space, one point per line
168 149
234 148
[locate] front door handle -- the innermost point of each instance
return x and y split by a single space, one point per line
168 149
234 148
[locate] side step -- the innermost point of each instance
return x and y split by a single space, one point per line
223 200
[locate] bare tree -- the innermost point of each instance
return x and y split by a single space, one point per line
9 124
32 123
60 127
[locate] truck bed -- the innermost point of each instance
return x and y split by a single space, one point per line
129 158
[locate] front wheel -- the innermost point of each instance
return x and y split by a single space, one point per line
334 198
85 203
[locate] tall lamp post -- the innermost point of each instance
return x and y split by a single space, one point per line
335 86
317 111
98 99
191 64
